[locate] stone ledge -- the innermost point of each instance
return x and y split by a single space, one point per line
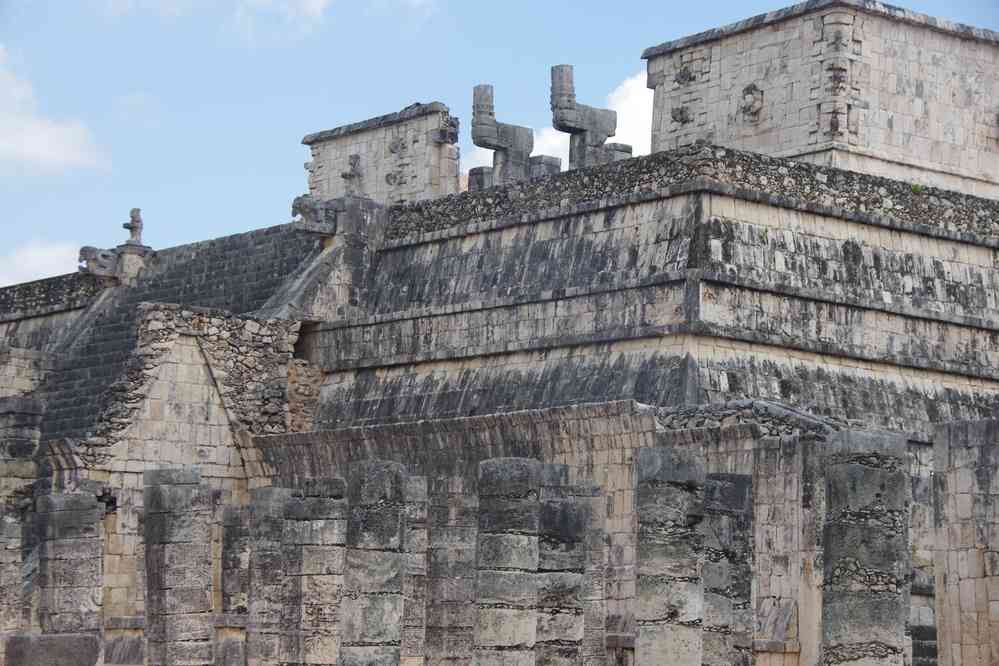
893 13
61 293
53 650
415 110
782 183
778 647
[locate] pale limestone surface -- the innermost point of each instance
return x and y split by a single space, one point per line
857 85
407 156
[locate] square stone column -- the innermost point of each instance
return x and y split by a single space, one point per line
669 605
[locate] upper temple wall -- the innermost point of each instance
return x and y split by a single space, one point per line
848 83
396 158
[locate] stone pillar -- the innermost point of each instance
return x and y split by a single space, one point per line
966 562
670 589
865 595
178 535
727 533
235 560
506 620
267 576
314 545
70 562
453 525
372 610
414 580
480 178
545 165
563 554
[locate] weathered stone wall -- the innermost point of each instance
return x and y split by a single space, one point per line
22 370
399 157
670 297
64 292
36 315
764 510
966 462
198 382
857 84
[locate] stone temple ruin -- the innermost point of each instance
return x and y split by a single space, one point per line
733 402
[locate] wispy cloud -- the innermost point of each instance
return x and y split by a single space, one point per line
37 259
32 142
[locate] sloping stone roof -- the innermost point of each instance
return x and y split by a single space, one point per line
235 273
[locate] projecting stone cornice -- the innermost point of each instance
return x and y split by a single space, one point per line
897 14
779 182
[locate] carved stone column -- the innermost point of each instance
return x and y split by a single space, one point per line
865 596
506 624
669 608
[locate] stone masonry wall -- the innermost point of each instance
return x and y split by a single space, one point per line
404 156
785 183
503 312
40 297
966 461
846 84
199 382
22 370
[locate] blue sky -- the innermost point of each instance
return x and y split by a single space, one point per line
194 111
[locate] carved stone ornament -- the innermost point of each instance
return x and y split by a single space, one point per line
752 102
680 114
97 261
134 227
684 75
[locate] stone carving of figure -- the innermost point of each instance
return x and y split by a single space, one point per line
134 226
352 176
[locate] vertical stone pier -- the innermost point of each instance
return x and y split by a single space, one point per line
727 532
314 543
68 538
966 561
267 576
414 580
865 592
453 526
178 535
562 565
670 589
506 622
372 609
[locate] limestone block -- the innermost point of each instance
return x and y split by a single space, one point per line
865 602
56 650
669 604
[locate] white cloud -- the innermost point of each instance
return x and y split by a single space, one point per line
633 102
29 141
549 141
38 259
